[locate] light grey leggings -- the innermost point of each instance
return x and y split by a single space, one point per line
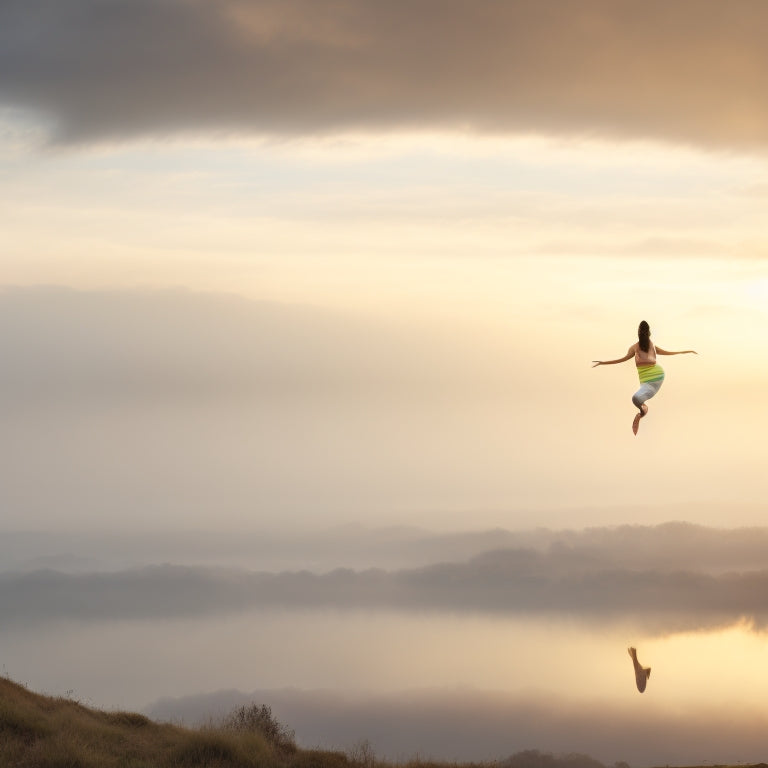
646 392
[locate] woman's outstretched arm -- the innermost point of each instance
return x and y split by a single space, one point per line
630 354
683 352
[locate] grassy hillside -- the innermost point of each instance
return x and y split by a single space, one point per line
43 732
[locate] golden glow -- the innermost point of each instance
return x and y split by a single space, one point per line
726 667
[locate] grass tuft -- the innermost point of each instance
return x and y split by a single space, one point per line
130 719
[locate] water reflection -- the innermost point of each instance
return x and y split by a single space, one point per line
127 664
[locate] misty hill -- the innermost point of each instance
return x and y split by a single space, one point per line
670 546
666 578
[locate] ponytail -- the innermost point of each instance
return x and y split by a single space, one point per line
644 336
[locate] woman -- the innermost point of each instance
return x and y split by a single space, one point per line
651 375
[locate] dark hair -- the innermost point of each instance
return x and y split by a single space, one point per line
644 335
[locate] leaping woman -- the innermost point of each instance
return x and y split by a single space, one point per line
650 373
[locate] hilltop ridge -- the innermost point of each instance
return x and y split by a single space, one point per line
38 731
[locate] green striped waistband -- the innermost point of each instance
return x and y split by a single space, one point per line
650 373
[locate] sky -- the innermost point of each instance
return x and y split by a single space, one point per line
315 284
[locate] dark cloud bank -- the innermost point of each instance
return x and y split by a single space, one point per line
663 579
692 70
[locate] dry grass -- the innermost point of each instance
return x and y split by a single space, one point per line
43 732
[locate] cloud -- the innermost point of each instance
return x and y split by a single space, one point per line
601 579
645 248
131 408
471 725
691 71
64 345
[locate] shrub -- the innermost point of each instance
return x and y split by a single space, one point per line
362 755
255 718
532 758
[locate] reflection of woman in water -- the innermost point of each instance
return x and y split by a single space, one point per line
641 673
651 374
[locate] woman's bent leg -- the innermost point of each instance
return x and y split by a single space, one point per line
646 392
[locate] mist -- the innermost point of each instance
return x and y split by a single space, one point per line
458 646
468 725
670 578
140 410
378 485
143 409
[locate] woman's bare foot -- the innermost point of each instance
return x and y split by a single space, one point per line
636 422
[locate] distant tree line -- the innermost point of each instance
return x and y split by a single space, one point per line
532 758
